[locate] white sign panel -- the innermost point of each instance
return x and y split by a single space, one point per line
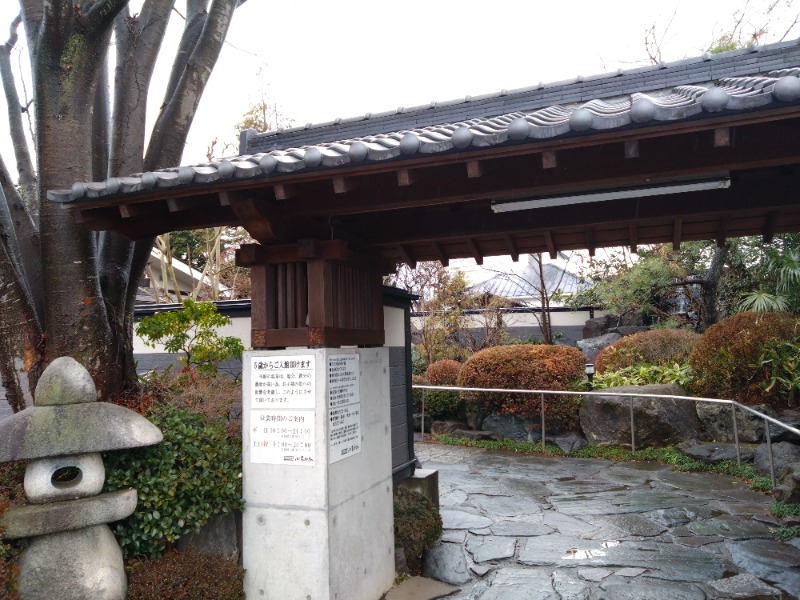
342 380
283 382
282 402
344 429
279 437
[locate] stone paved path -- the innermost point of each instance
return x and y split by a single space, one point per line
541 528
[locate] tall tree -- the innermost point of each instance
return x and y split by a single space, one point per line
67 290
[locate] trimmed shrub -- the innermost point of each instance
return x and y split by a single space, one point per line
726 361
11 491
193 475
443 372
417 394
532 367
417 525
656 347
186 575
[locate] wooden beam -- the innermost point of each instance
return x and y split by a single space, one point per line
549 159
475 169
551 246
722 137
475 251
439 251
129 211
264 222
769 227
406 177
342 185
632 237
408 258
590 244
512 247
632 149
224 198
285 191
677 233
180 204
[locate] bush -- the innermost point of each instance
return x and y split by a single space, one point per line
443 372
186 575
532 367
644 375
11 491
417 525
193 333
417 394
656 347
193 475
726 361
441 403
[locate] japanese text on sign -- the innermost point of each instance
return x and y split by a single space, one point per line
344 430
342 380
283 382
282 437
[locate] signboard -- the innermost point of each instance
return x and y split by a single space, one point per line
342 380
279 437
282 416
344 407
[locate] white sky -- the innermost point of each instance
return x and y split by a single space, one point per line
323 59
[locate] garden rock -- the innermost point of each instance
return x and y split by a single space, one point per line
569 442
788 490
626 330
718 421
418 422
591 347
595 327
218 536
714 453
511 427
440 427
779 434
783 455
473 434
446 562
605 419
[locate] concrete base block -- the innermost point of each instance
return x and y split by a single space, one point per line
425 482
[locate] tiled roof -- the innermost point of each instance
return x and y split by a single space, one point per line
626 99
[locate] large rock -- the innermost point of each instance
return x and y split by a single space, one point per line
591 347
440 427
718 421
625 330
788 490
511 427
446 562
595 327
714 453
783 455
605 419
219 536
779 434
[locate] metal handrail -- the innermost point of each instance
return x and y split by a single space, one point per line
733 404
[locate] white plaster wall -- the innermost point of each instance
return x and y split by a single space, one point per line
394 324
239 327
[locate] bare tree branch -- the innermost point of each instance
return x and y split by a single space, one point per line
25 170
177 114
102 13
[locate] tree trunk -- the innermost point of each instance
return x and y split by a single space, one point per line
710 289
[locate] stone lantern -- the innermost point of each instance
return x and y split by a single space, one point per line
72 554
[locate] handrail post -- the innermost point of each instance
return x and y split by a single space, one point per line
736 435
544 448
633 431
769 449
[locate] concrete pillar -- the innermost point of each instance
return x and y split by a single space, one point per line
317 522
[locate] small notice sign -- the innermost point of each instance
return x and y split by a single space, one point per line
283 381
344 428
282 415
282 437
342 380
344 407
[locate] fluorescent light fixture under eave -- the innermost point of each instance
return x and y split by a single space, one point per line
661 190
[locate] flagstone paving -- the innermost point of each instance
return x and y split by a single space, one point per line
547 528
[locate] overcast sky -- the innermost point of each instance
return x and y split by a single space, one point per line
322 59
